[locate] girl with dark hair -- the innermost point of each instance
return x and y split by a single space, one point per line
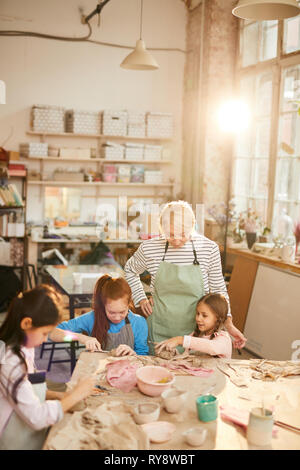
111 324
209 337
25 416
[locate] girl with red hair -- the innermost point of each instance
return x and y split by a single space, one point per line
111 324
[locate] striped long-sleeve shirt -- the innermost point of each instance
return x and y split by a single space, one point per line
150 254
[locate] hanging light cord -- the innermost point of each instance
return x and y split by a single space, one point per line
87 37
141 20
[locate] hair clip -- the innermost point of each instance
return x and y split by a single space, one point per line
20 295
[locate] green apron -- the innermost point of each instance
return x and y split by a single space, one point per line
177 289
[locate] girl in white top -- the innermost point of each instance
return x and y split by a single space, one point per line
208 337
31 317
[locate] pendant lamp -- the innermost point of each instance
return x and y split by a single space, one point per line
266 9
140 58
2 92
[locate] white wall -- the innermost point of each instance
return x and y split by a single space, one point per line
85 75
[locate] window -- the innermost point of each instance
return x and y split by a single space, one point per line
266 176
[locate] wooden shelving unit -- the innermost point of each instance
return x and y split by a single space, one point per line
100 136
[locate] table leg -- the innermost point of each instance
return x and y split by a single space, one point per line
73 349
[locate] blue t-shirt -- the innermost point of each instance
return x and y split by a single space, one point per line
138 324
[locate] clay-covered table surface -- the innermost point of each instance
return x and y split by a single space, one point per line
282 394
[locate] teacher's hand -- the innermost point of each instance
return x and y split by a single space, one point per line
146 306
239 339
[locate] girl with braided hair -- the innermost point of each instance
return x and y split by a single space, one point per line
209 337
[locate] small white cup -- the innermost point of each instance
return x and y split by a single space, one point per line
173 399
195 436
260 425
146 412
77 279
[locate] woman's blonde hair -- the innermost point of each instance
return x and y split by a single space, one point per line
180 216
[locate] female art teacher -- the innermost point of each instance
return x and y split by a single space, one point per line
184 266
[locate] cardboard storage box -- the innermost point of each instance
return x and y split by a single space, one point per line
114 123
68 176
153 177
134 151
112 151
33 149
159 125
45 118
136 124
83 122
153 152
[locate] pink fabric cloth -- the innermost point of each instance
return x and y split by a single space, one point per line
36 414
122 375
239 417
220 345
197 371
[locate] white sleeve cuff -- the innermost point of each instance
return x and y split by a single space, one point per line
187 341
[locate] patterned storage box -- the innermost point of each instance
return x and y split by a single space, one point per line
136 125
114 123
110 168
137 173
124 173
153 177
83 122
46 118
159 125
134 151
34 149
153 152
109 177
112 151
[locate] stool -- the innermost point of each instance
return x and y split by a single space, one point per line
55 346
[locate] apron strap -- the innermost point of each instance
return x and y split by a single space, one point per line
196 262
166 249
127 320
195 255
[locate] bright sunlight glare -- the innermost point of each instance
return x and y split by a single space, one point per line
234 116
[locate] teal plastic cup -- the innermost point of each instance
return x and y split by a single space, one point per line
207 408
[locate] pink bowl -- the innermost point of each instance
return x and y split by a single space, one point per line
148 378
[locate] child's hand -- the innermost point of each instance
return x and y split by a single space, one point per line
84 387
168 344
92 344
124 350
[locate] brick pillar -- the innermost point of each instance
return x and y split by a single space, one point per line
212 38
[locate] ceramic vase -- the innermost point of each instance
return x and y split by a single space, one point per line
251 238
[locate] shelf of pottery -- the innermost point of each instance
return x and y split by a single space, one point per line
132 148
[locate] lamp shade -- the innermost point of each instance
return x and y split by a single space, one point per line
139 59
266 9
2 92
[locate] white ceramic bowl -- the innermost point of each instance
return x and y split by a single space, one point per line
153 380
195 436
173 399
146 412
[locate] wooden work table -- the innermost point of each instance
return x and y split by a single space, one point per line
284 394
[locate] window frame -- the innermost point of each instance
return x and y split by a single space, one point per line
276 66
